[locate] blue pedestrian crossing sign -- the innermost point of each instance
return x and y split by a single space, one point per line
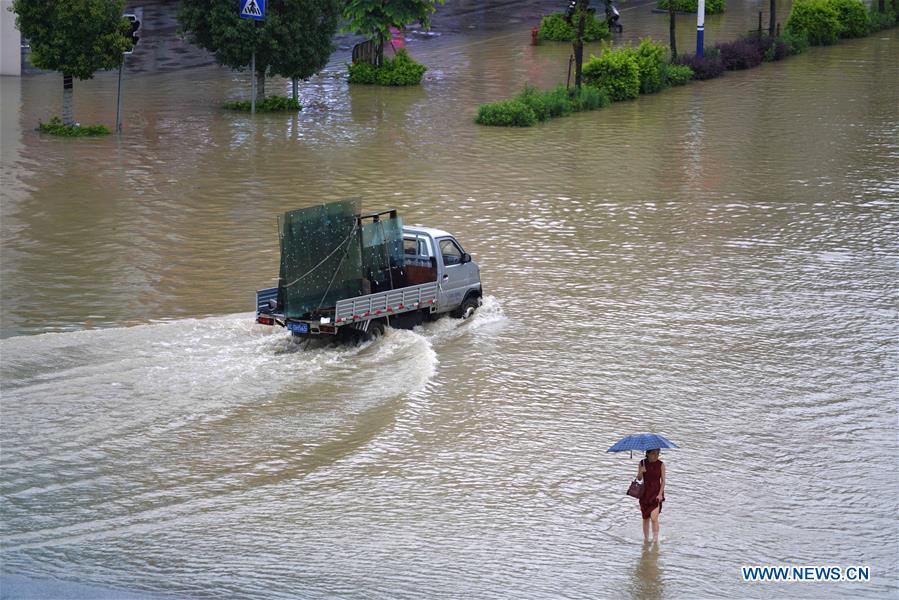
252 9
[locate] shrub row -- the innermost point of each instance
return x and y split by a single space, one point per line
823 22
712 7
878 21
743 53
56 127
625 73
532 106
270 104
396 71
556 29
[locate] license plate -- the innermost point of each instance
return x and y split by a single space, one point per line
298 327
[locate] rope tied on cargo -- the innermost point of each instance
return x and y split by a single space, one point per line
330 283
325 259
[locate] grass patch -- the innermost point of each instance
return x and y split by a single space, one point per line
270 104
56 127
533 106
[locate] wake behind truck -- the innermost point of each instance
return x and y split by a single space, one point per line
351 275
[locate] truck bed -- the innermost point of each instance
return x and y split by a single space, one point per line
358 309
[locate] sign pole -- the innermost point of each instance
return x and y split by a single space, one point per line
700 28
118 100
253 9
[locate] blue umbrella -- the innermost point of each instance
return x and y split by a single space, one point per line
641 442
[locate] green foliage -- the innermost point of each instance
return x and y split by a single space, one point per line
270 104
588 98
651 60
878 21
854 17
506 113
545 105
374 18
294 40
678 74
533 105
616 72
75 37
556 29
399 70
56 127
712 7
798 43
818 20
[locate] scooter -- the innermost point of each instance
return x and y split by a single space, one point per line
612 15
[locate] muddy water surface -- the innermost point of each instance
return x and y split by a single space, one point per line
717 263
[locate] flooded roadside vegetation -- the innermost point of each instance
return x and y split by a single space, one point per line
717 262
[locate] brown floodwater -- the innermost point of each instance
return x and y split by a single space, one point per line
717 263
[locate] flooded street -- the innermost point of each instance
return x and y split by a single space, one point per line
717 263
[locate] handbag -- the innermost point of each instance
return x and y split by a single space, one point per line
635 489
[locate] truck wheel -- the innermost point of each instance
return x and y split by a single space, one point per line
376 329
467 308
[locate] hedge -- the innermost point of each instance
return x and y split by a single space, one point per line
56 127
532 106
712 7
818 20
270 104
616 72
556 29
397 71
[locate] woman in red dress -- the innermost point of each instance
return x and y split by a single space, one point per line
652 472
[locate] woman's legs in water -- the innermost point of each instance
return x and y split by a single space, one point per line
654 517
645 530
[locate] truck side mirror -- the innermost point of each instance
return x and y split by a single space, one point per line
466 257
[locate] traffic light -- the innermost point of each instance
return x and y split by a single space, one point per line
135 31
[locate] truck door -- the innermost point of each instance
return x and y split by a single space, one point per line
457 274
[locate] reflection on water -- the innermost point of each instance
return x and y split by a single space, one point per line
647 584
717 262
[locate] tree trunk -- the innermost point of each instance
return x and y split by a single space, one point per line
260 84
68 114
379 52
581 15
671 30
881 6
772 19
295 83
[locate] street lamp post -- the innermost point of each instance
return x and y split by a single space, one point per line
700 28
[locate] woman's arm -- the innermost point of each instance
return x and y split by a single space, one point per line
662 488
640 470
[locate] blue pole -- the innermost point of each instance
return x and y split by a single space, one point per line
700 28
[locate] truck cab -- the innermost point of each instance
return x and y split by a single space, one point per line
458 276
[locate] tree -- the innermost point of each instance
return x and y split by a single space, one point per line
672 14
374 18
772 19
580 15
75 37
294 40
